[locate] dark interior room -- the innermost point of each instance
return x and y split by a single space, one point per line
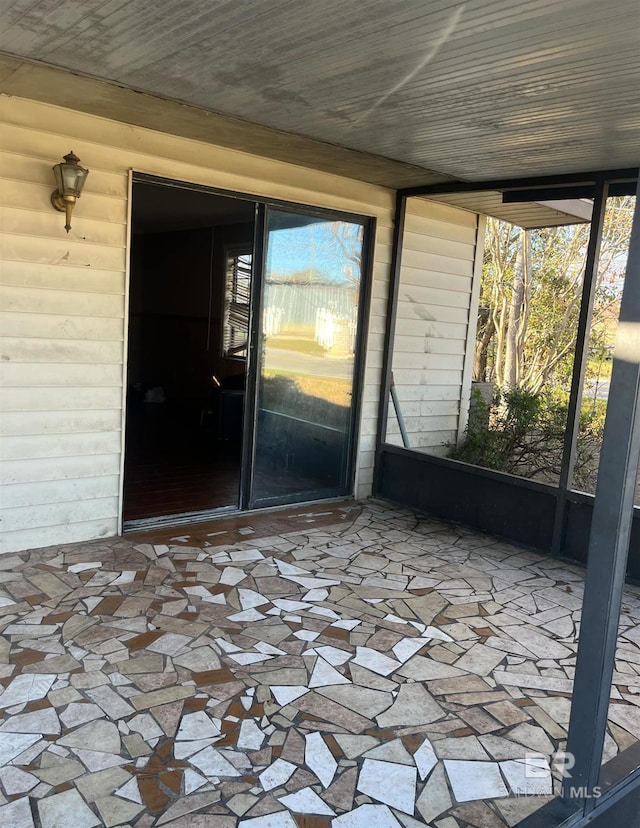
188 319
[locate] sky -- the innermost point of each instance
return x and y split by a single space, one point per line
313 247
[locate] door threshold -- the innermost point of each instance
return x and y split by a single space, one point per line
225 512
185 518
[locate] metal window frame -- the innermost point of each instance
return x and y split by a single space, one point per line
613 509
580 357
390 324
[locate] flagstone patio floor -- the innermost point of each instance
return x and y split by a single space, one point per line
349 666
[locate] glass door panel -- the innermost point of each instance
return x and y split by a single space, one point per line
307 356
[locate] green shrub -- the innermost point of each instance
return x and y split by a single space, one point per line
523 433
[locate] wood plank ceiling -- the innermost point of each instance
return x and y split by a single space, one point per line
475 90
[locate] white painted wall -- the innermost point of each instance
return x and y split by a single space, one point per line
63 306
436 323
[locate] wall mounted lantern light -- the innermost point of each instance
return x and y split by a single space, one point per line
70 178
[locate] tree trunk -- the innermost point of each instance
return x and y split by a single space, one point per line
515 313
525 312
501 330
481 353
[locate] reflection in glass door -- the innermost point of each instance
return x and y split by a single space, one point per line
307 356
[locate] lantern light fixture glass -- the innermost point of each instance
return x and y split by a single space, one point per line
70 179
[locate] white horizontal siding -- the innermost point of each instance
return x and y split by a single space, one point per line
435 223
48 523
21 423
437 345
54 277
426 363
49 514
24 375
64 252
63 306
431 312
443 263
33 349
437 393
61 532
60 399
59 491
68 302
425 297
436 294
57 326
430 408
54 446
414 276
75 468
45 223
424 379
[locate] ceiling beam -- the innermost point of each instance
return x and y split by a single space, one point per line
48 84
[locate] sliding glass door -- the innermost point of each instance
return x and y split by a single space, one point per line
307 333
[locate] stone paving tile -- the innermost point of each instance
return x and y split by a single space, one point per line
337 667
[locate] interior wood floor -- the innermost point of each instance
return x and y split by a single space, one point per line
164 488
172 469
